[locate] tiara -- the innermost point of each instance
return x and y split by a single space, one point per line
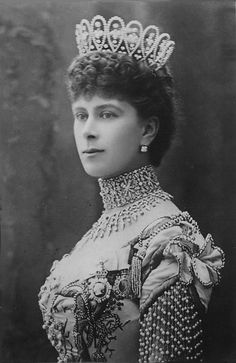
113 35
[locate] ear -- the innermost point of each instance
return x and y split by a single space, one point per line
150 130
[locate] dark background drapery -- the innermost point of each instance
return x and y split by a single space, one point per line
47 200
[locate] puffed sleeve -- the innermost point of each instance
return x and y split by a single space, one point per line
175 290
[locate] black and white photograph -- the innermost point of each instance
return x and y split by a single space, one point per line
118 181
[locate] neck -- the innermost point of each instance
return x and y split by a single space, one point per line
128 187
126 198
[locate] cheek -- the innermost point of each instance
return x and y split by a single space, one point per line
126 137
77 134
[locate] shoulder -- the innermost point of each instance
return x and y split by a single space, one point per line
166 208
172 245
178 236
168 220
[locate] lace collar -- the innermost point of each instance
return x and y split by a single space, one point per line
128 187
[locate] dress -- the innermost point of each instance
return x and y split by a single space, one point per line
136 287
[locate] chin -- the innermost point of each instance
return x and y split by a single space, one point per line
95 171
101 172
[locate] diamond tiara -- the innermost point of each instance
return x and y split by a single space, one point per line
114 36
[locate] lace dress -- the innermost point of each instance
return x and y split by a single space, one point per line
136 287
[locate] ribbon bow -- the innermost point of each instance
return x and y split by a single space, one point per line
195 262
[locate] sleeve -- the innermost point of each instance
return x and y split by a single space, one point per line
175 290
171 328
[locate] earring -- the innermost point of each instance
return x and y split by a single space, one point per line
144 148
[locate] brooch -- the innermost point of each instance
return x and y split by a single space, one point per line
99 287
122 285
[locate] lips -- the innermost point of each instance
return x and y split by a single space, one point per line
92 151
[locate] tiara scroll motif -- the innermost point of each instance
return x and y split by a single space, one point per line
113 35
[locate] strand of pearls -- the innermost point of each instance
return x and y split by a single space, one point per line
171 329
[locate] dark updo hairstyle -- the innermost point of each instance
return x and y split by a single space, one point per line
117 75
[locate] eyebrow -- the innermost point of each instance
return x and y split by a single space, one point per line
74 109
98 108
108 105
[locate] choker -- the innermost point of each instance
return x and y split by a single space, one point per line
126 198
129 187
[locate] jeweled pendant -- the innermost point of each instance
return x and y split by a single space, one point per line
99 287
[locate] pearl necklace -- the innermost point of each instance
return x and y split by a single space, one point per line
126 198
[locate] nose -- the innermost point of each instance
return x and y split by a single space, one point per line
90 128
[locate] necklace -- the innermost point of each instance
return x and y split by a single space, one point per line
126 198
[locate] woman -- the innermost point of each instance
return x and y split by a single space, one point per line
137 285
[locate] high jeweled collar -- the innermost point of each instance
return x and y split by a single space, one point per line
128 187
126 198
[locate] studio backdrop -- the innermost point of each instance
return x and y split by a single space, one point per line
48 202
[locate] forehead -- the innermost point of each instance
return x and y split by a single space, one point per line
93 102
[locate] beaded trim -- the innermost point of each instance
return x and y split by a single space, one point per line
146 237
156 229
171 329
125 199
89 328
130 187
202 264
119 220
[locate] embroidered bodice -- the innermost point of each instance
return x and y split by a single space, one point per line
134 288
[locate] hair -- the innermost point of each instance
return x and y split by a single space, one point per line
117 75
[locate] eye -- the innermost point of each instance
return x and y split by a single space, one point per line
107 115
81 116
